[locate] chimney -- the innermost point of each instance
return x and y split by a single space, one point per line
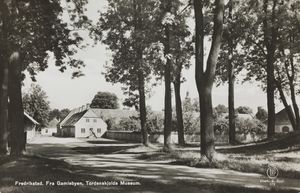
87 106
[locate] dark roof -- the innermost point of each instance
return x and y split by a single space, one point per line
74 118
282 117
27 116
114 113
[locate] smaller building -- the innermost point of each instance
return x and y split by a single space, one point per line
282 122
83 124
30 126
51 128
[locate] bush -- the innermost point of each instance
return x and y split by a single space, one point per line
249 130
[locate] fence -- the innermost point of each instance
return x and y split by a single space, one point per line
158 137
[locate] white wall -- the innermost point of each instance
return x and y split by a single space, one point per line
50 131
278 128
94 122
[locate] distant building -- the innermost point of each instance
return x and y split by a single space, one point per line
51 128
282 122
90 122
30 126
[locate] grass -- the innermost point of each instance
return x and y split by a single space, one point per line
287 161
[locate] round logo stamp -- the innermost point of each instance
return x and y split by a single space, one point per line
272 172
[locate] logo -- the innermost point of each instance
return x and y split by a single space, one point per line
272 172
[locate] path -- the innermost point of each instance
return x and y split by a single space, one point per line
113 162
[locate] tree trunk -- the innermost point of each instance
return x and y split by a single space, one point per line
207 129
231 80
270 97
4 78
293 95
295 107
270 39
16 110
180 126
143 112
205 80
4 108
286 105
231 104
168 94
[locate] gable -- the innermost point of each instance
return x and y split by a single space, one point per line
74 119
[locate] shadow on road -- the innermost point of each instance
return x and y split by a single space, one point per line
103 149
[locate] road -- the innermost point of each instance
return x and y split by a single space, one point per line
107 159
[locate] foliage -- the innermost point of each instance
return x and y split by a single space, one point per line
127 124
219 109
105 100
126 27
250 127
58 114
261 114
244 110
36 104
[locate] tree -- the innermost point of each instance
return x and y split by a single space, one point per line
36 104
261 114
128 30
105 100
27 40
221 109
244 110
55 113
181 50
231 59
64 113
275 23
205 78
167 20
58 114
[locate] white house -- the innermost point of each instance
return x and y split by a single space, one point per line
51 128
81 124
282 122
30 126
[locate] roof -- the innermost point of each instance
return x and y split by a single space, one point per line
30 118
114 113
282 117
74 118
237 115
53 123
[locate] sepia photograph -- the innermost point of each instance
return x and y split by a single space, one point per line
149 96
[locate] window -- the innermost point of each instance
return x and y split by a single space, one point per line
285 129
98 130
87 120
83 130
46 131
95 120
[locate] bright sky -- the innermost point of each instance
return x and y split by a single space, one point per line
64 92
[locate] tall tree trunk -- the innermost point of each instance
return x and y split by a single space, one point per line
178 104
141 76
4 78
291 78
16 110
4 108
270 39
231 80
143 112
205 79
168 92
286 105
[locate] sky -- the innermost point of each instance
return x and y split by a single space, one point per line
65 92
